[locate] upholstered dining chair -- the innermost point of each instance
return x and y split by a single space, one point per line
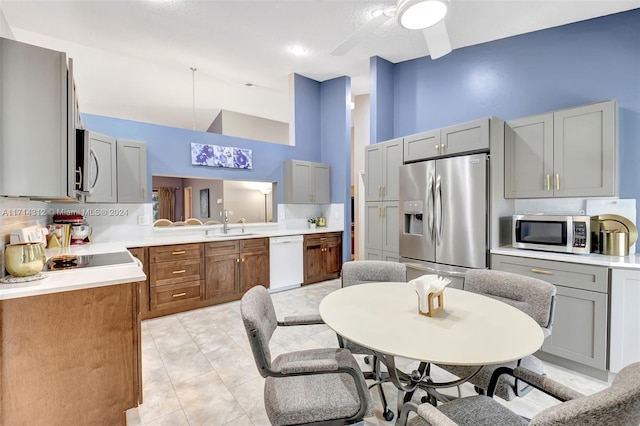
193 221
360 272
619 404
162 222
532 296
316 386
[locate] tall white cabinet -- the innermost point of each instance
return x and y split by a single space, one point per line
382 186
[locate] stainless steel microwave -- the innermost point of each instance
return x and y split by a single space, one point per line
559 233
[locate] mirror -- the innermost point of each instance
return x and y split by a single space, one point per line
180 198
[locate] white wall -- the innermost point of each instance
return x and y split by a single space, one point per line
242 199
246 126
360 120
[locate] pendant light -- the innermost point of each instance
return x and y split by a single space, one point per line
193 88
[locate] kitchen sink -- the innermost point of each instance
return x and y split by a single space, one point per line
233 235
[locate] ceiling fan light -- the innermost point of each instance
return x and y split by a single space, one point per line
420 14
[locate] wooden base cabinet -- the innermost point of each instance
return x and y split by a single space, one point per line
322 257
70 358
176 278
233 267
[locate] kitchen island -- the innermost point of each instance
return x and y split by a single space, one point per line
70 349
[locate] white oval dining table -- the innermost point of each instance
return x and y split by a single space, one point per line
472 330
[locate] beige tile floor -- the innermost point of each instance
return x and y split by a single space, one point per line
198 368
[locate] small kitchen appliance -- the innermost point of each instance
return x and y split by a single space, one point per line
557 233
612 234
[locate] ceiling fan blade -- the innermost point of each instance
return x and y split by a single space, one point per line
362 33
437 38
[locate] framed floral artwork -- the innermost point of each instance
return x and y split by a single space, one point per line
220 156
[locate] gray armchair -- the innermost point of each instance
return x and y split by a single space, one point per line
617 405
318 386
360 272
532 296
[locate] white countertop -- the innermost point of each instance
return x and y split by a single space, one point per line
629 262
82 278
76 279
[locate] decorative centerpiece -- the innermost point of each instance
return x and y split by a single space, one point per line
430 290
312 222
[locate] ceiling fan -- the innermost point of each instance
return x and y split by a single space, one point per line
425 15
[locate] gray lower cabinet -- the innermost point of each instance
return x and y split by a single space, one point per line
580 328
566 153
381 239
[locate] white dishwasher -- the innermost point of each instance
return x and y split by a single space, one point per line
286 263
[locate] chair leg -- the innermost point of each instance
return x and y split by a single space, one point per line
386 412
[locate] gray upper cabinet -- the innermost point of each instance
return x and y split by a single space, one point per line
382 170
131 171
421 146
567 153
465 137
102 169
306 182
37 122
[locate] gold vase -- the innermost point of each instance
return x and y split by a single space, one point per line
24 259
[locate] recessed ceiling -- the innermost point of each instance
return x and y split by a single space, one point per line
133 59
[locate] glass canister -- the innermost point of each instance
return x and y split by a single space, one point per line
24 259
322 221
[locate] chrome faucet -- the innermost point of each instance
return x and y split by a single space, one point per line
225 225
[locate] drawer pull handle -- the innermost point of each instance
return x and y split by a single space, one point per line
181 271
541 271
179 294
178 252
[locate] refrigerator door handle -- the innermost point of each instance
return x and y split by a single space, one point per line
430 208
438 198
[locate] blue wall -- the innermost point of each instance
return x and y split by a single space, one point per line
557 68
322 132
335 146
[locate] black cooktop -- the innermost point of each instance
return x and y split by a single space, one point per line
72 261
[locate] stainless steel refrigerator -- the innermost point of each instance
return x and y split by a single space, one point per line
444 216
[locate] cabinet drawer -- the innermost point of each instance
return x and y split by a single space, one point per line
171 295
221 247
175 252
254 245
319 238
165 273
574 275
